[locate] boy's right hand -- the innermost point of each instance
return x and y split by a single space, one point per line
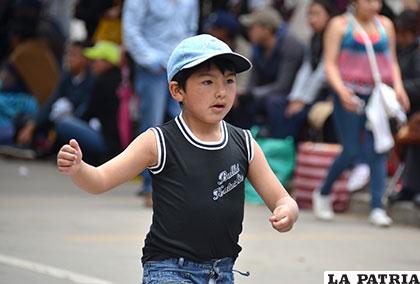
69 158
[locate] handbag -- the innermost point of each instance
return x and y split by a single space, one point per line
383 103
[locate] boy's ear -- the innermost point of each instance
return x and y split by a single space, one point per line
176 91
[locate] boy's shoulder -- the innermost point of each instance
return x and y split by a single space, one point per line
168 124
233 127
239 132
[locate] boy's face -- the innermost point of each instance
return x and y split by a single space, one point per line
75 60
209 94
100 66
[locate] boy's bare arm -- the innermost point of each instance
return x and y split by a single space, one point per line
141 153
284 208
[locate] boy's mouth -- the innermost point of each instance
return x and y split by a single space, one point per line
218 106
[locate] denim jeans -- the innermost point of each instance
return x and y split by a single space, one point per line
280 125
155 101
357 142
7 133
179 270
91 142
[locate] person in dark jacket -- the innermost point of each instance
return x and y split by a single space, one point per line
277 56
408 52
69 98
97 129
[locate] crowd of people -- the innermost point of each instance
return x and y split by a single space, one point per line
54 88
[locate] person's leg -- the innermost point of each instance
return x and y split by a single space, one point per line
7 132
411 177
153 91
91 142
349 128
377 164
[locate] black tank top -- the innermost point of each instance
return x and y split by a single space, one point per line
198 193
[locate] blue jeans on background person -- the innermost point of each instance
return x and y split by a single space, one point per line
155 101
357 142
281 126
91 141
179 270
7 133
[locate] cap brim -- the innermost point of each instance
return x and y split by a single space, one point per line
241 62
91 53
247 20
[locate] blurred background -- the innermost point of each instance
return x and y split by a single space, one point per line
96 71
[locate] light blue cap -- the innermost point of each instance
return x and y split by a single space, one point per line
195 50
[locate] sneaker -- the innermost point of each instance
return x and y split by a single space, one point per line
17 152
358 178
322 206
378 217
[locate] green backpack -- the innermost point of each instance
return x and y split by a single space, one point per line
280 154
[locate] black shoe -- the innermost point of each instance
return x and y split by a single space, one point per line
403 195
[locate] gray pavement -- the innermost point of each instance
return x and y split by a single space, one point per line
51 232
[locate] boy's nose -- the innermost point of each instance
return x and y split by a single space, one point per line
221 92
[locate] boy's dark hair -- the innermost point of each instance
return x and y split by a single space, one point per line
221 63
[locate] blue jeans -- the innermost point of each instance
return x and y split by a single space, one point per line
91 142
357 142
7 133
179 270
155 100
280 125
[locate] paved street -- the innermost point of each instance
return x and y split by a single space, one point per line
51 232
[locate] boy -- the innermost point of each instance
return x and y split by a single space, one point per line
198 163
73 90
97 129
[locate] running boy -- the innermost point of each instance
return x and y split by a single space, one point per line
198 163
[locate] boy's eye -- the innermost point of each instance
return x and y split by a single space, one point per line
207 82
230 81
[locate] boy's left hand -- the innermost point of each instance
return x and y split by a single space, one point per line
281 219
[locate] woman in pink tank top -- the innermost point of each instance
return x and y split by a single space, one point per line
348 72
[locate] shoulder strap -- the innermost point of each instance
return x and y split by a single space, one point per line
369 49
